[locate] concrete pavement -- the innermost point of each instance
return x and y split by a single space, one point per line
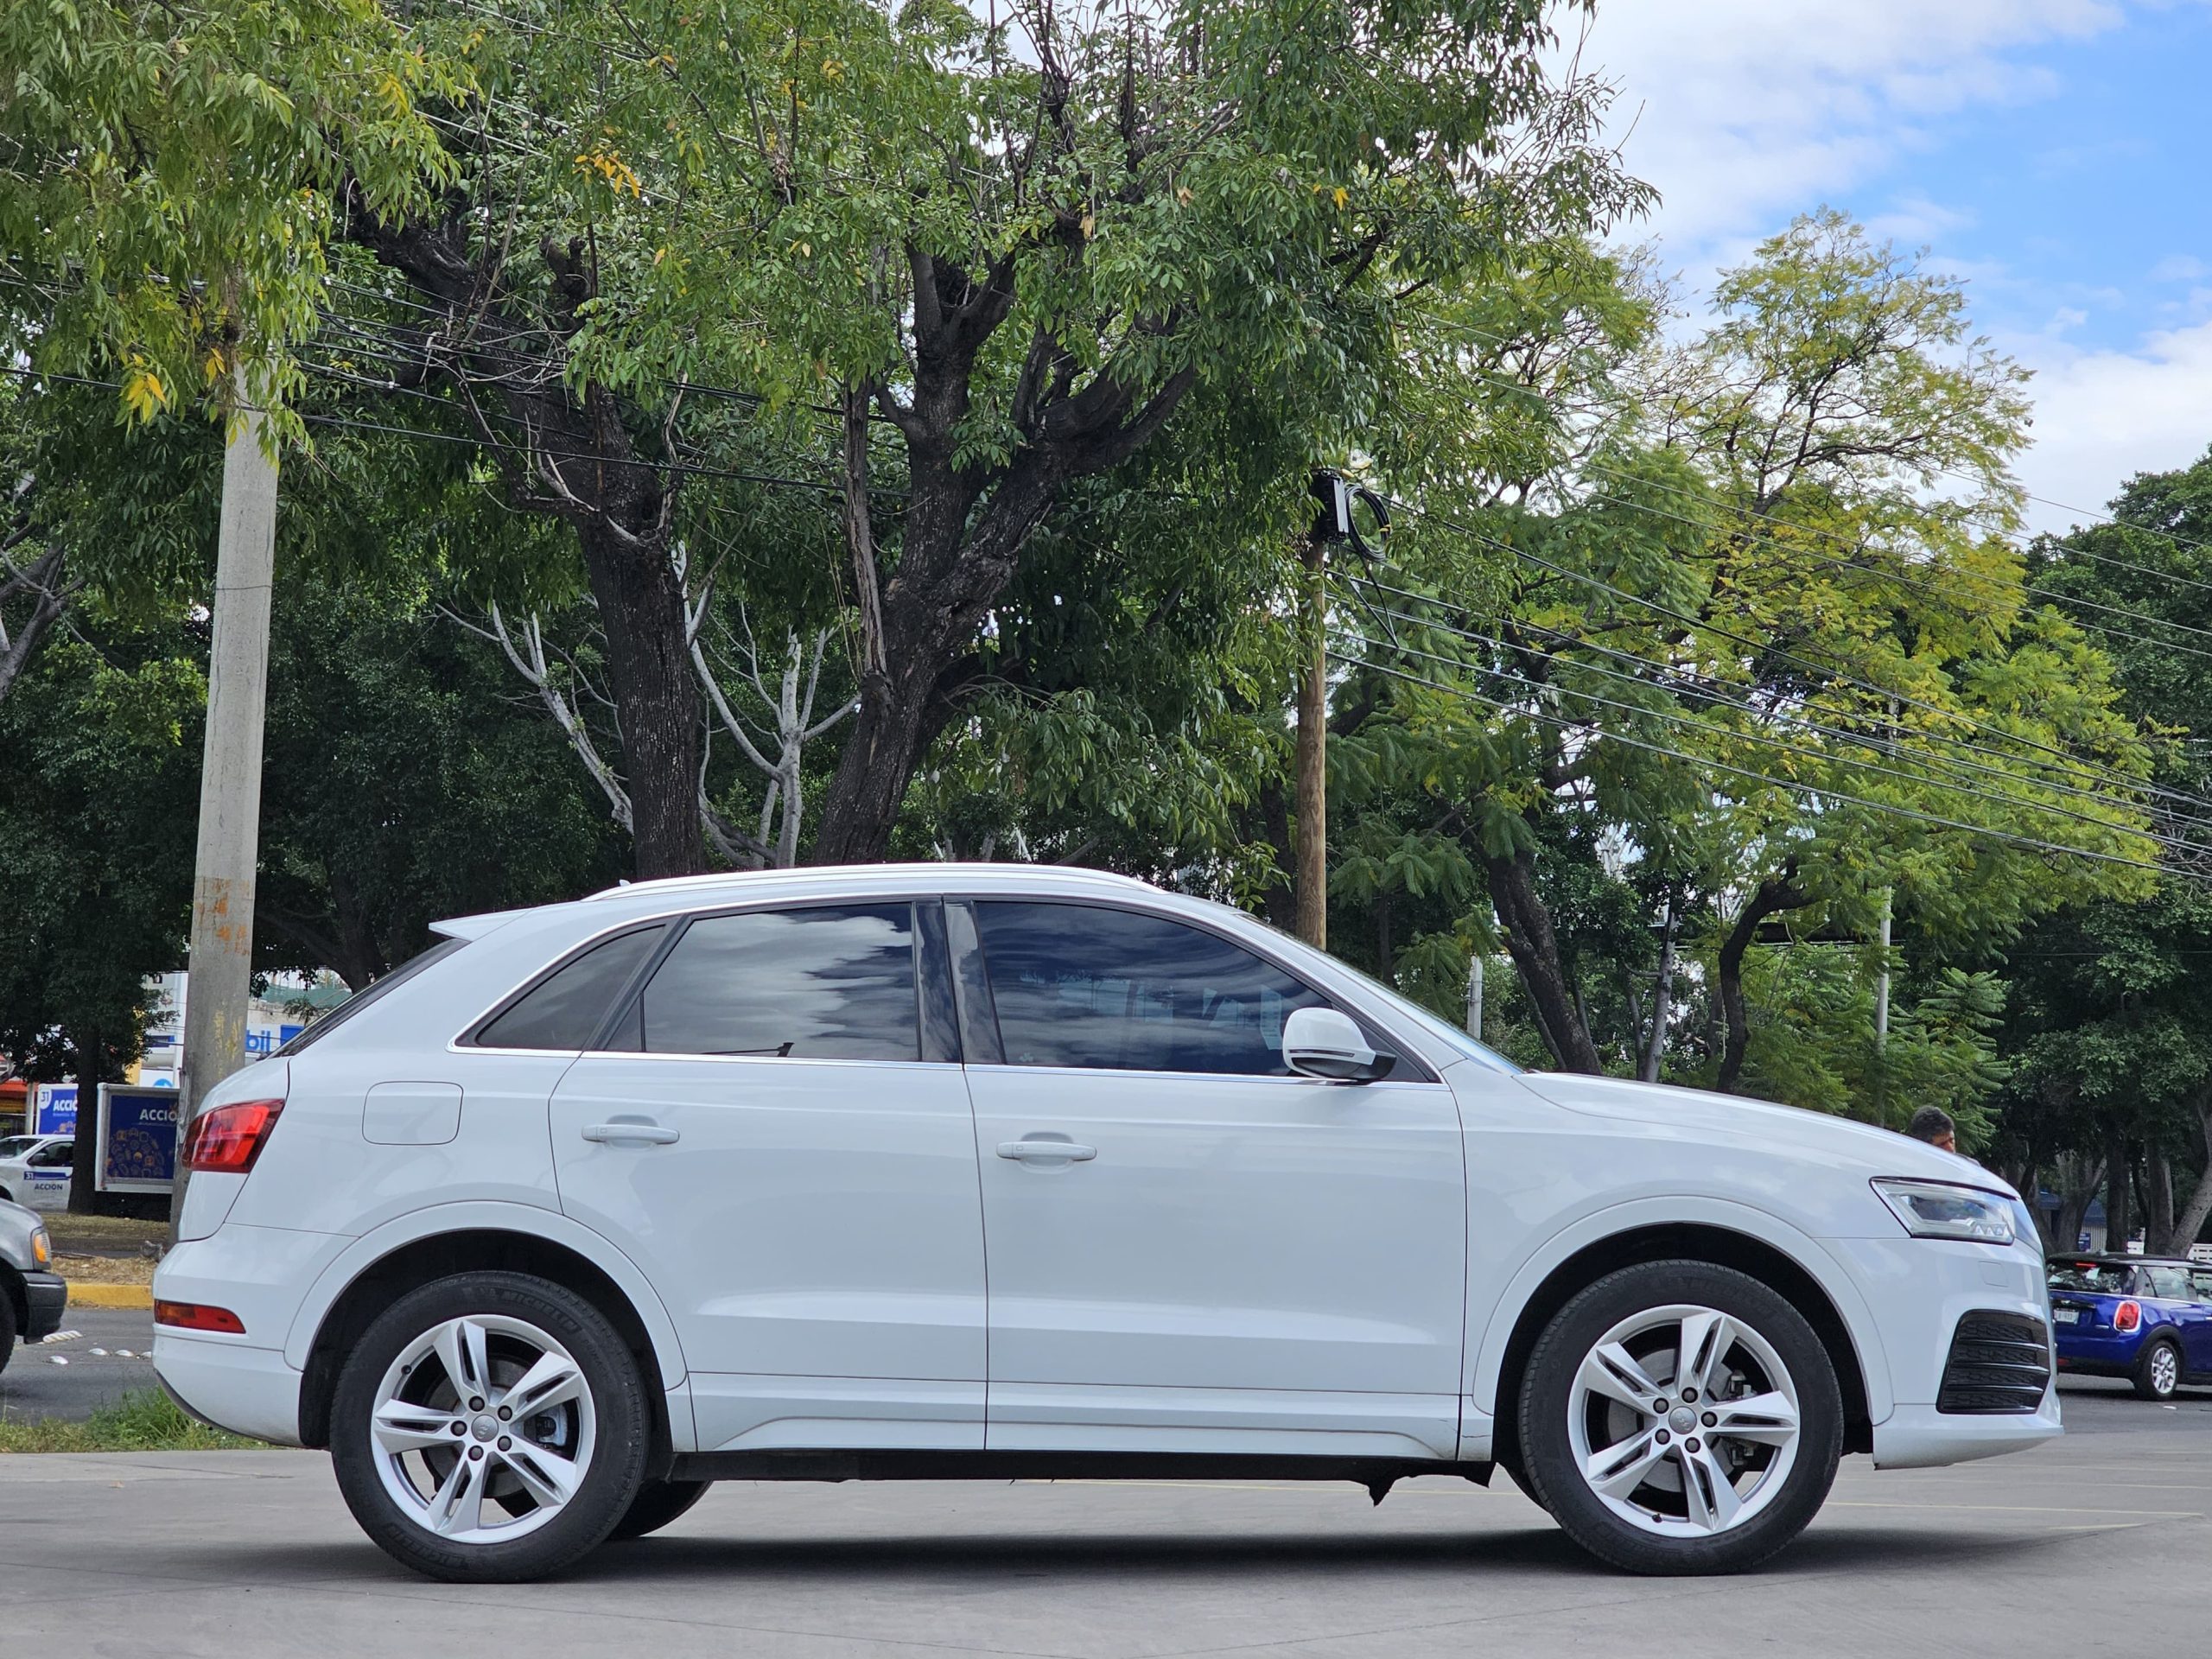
2098 1544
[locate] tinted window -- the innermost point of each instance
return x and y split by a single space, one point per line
2169 1282
2105 1278
567 1007
832 983
53 1156
1077 985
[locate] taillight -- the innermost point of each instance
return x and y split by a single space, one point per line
198 1316
227 1140
2127 1316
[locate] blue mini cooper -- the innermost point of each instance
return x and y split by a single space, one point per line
2145 1319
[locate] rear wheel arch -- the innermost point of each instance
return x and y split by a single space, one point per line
1722 1246
439 1255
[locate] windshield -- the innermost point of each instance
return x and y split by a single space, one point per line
2105 1278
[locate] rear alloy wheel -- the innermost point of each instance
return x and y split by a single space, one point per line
490 1427
1679 1418
2158 1374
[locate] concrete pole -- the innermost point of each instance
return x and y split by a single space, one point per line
221 961
1312 884
1475 996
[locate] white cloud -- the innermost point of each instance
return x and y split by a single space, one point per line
2101 417
1746 111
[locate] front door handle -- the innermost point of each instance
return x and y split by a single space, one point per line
1040 1149
630 1131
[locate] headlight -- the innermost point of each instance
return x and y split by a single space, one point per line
41 1247
1937 1210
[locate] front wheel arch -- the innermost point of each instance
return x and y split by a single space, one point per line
441 1256
1721 1246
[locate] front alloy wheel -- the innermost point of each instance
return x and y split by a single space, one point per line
1683 1421
1681 1417
490 1427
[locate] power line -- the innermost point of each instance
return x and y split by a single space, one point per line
2084 769
2009 803
1892 747
2002 836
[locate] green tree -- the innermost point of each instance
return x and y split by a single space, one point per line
998 268
2111 1030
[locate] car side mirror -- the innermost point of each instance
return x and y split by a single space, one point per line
1322 1043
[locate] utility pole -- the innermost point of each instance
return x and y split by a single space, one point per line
1475 994
221 961
1314 747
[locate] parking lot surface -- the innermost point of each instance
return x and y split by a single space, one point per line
239 1555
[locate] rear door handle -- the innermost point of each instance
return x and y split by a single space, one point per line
1038 1149
630 1131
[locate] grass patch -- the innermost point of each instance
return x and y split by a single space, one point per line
145 1420
91 1234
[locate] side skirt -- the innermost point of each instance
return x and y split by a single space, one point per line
1378 1475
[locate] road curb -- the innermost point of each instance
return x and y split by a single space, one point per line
83 1295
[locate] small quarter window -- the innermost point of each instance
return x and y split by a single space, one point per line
566 1008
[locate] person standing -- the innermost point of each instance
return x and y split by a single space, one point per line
1933 1124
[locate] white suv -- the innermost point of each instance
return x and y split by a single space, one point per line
954 1170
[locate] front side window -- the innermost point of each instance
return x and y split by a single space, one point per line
53 1156
827 982
1085 987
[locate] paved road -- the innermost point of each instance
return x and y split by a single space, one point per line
250 1555
106 1359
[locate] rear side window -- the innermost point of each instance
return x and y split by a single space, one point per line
2171 1283
825 983
567 1007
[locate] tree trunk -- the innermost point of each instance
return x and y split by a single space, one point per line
2079 1177
2159 1174
1535 949
85 1155
1778 892
2120 1220
1279 901
2193 1212
880 755
641 600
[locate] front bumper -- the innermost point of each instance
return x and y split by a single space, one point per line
46 1297
1920 1437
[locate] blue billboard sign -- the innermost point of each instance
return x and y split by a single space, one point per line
137 1139
54 1111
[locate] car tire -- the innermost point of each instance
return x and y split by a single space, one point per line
7 1331
527 1378
2158 1371
1651 1480
1516 1472
658 1503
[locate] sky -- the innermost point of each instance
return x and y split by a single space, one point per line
2050 153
